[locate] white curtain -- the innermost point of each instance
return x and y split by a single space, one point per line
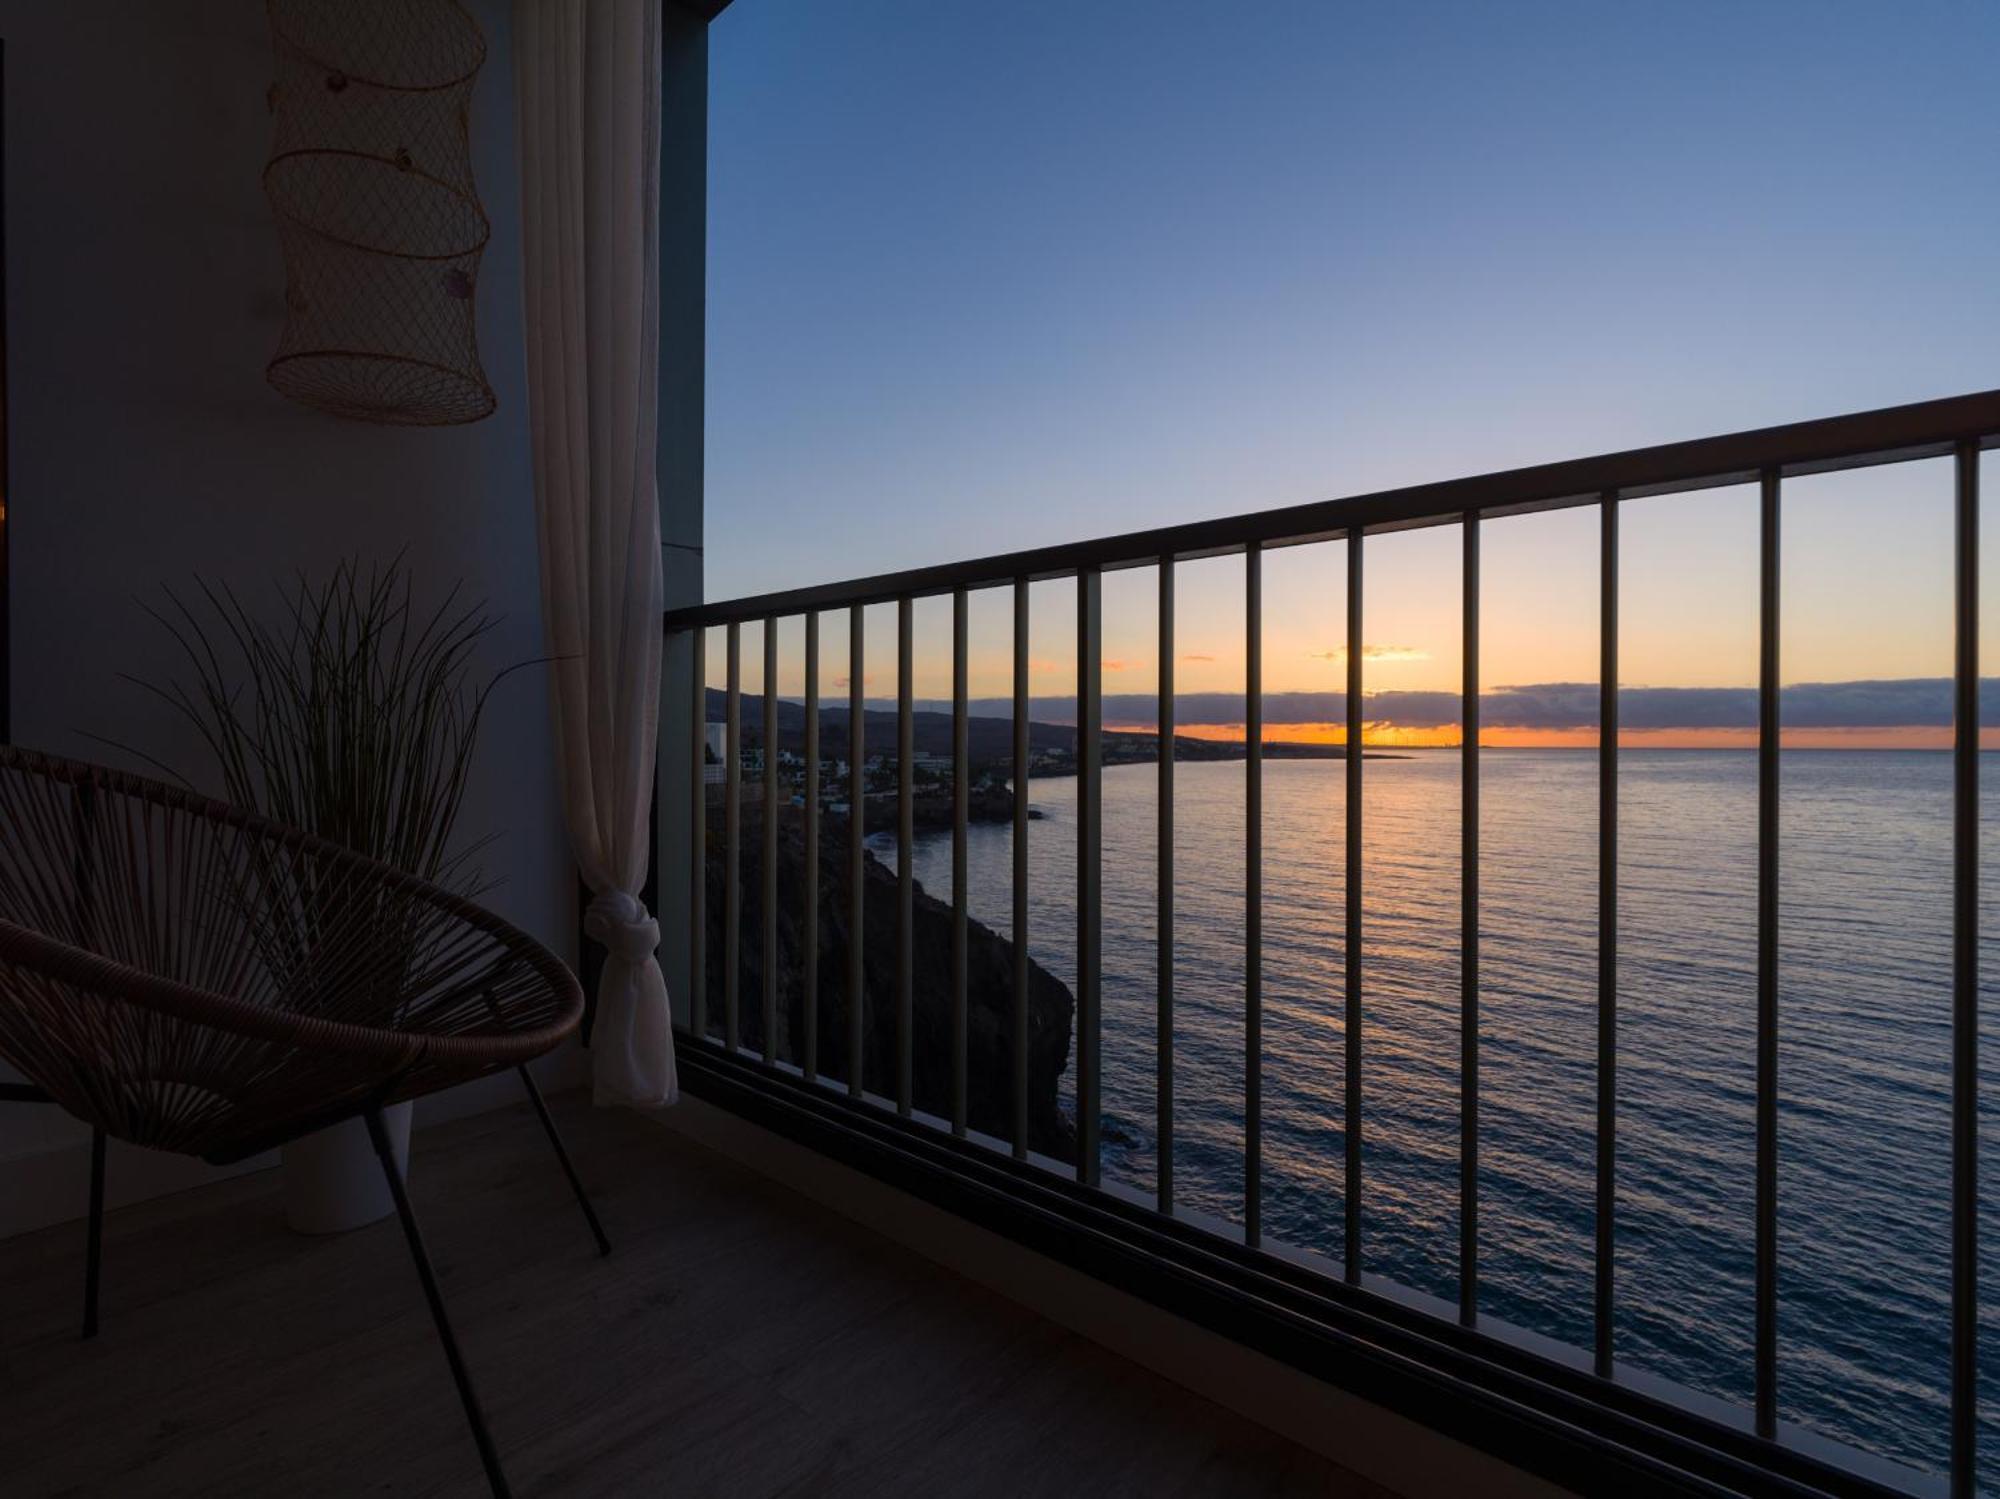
587 76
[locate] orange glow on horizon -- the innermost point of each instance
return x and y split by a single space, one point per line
1445 736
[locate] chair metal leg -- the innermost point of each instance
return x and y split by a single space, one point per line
488 1454
93 1254
562 1155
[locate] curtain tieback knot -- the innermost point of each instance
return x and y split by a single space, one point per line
618 921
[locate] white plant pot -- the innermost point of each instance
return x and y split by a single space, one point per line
333 1182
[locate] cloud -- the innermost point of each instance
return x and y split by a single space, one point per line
1920 702
1909 702
1906 702
1373 653
1192 657
1913 700
1544 705
1119 665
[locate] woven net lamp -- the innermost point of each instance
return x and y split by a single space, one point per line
370 180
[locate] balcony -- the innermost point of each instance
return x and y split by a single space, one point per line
1315 1144
1440 1118
993 1029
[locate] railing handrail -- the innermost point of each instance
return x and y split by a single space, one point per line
1891 434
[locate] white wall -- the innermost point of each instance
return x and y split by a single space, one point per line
144 295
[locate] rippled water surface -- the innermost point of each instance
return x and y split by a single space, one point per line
1863 1054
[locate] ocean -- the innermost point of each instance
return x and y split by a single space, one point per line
1864 1033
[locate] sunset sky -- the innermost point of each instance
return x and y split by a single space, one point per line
991 277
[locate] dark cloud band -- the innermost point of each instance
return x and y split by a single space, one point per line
1919 702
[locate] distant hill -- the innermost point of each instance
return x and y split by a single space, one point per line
988 739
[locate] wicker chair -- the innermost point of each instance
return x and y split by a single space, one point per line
189 976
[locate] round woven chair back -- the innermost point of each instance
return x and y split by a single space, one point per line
190 976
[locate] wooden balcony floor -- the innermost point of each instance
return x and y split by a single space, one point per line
741 1341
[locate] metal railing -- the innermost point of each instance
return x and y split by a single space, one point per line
1959 428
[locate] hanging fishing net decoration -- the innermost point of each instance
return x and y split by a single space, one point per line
370 179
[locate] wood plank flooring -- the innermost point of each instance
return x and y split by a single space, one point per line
739 1342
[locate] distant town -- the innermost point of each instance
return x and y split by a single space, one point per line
990 796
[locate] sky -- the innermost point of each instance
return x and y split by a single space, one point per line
984 277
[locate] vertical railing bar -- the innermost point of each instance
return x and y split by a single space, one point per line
1766 1336
770 731
857 853
1253 893
1468 894
961 807
1020 888
1965 988
698 839
1351 1226
1607 927
1163 1059
1089 868
906 852
732 861
809 915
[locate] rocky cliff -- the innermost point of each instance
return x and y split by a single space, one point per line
989 998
